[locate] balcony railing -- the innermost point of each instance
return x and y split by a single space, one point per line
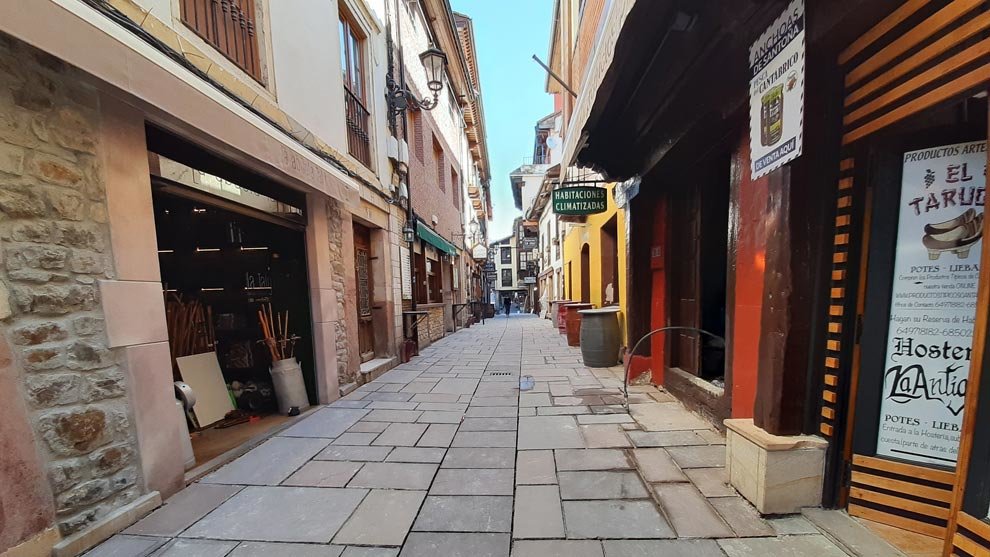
358 138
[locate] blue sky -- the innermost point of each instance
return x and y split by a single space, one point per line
509 33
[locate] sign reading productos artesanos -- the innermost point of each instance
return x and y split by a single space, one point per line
580 200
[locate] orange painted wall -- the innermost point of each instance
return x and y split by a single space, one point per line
750 265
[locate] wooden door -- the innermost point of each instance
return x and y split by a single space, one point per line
365 286
686 287
586 274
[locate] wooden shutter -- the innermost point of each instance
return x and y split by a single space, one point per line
228 25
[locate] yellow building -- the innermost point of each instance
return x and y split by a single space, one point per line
595 260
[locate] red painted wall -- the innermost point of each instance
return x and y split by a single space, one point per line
751 196
658 311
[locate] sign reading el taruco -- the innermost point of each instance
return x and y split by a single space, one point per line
776 92
580 200
933 302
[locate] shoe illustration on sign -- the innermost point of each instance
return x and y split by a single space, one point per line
956 235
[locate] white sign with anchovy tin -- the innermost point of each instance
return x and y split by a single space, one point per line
933 302
776 92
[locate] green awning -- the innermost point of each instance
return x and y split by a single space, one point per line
435 239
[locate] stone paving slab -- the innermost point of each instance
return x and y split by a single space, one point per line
690 513
438 435
320 473
272 514
601 485
787 546
395 475
183 509
664 548
465 514
485 457
557 548
264 549
356 454
325 422
471 481
615 519
195 548
269 463
439 459
591 459
538 512
383 518
436 544
549 432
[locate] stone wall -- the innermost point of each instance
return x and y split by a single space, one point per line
54 242
335 226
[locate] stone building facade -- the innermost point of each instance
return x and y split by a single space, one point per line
55 240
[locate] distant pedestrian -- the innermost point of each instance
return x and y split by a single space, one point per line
507 305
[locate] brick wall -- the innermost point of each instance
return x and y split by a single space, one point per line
427 197
55 246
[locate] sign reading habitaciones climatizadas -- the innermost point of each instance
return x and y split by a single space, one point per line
933 302
776 92
580 200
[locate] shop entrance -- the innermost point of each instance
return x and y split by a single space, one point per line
229 256
610 262
924 199
586 274
699 221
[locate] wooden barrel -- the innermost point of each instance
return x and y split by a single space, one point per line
573 323
600 337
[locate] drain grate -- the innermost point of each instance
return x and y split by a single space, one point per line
500 373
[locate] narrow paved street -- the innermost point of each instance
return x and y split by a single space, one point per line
444 456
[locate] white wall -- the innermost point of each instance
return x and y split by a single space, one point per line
306 51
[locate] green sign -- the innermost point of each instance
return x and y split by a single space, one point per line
580 200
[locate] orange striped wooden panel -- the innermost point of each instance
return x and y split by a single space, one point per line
839 274
840 257
917 34
842 220
838 292
835 327
826 430
978 23
845 183
915 498
832 345
831 380
881 29
949 90
844 202
835 310
918 82
898 521
828 413
847 164
832 363
829 396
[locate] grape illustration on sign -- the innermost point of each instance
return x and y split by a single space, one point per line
580 200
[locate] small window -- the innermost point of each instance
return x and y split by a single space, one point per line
456 187
507 256
441 167
507 277
352 57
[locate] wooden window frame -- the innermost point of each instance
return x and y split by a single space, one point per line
235 36
439 158
353 33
